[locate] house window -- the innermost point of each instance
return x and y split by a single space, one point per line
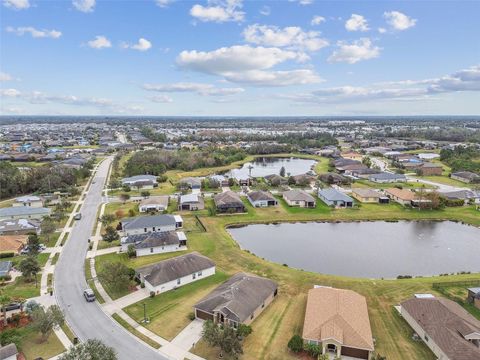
199 273
178 281
276 292
194 276
151 250
426 337
144 229
263 305
251 317
154 228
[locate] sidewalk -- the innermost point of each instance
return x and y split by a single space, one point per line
123 302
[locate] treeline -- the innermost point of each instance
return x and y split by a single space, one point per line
453 134
41 179
152 135
462 158
156 162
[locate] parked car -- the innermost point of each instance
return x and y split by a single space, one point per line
26 249
12 306
89 295
77 216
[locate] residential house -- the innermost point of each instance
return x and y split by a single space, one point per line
229 202
276 180
303 179
466 176
465 195
430 169
23 212
473 296
261 199
221 180
155 242
337 320
385 177
239 300
299 198
191 202
8 352
5 267
29 200
401 196
366 195
12 243
154 203
19 227
349 169
445 327
141 181
145 224
194 183
175 272
333 178
333 197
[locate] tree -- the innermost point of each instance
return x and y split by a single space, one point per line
131 252
10 336
295 343
33 243
291 180
48 227
4 301
115 275
210 333
45 321
244 330
312 349
106 219
282 171
31 306
229 342
126 188
367 161
110 234
124 197
29 267
92 349
145 193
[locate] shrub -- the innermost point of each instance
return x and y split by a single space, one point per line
142 285
6 255
244 330
7 277
295 344
152 294
312 350
191 316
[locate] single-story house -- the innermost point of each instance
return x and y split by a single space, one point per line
299 198
5 267
473 296
191 202
466 176
348 169
445 327
229 201
364 173
140 181
343 162
29 200
154 203
428 169
385 177
333 178
145 224
194 183
401 196
18 227
337 320
333 197
8 352
155 242
239 300
220 179
276 180
465 195
366 195
23 212
261 199
303 179
13 243
175 272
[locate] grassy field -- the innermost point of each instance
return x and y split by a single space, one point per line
135 332
444 180
21 288
33 347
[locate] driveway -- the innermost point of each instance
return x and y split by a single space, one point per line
88 320
185 340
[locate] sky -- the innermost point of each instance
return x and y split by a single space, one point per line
239 58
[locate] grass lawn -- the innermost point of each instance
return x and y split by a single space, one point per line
404 185
51 241
105 244
33 347
135 332
21 288
168 312
66 329
55 258
444 180
459 294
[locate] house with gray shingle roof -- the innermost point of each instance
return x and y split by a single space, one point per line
140 181
239 300
18 227
333 197
229 202
8 352
155 242
155 223
175 272
23 212
261 199
299 198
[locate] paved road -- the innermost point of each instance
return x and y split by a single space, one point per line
88 320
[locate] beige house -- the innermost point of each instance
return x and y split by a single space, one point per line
29 200
369 195
299 198
337 320
401 196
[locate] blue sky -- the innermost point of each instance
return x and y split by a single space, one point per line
234 57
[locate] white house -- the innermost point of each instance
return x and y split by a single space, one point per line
155 242
29 200
154 203
140 181
23 212
146 224
172 273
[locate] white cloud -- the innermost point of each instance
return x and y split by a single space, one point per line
11 93
248 65
12 110
382 30
303 2
100 42
317 20
161 99
16 4
164 3
199 88
219 11
20 31
85 6
399 21
5 77
141 45
292 37
358 50
356 23
265 10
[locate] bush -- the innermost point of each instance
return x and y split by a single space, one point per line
162 178
152 294
295 344
244 330
313 350
7 277
6 255
191 316
142 285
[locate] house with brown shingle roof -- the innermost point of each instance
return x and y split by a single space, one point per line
401 196
446 328
337 320
12 243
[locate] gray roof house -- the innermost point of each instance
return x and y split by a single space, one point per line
23 212
261 199
333 197
140 181
172 273
18 227
385 177
465 176
192 182
465 195
299 198
144 224
228 202
155 239
5 267
8 352
191 202
473 294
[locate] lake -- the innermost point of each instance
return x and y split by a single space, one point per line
366 249
263 166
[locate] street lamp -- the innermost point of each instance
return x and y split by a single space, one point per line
145 313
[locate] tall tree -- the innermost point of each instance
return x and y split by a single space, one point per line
29 267
110 234
92 349
115 275
45 321
48 227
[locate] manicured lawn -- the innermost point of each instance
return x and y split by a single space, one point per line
55 258
52 239
444 180
22 289
105 244
404 185
33 347
168 312
135 332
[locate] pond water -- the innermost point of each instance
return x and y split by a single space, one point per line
263 166
366 249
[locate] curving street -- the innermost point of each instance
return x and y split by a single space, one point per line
88 320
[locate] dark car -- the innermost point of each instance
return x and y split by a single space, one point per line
12 306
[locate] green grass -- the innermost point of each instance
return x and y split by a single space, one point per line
105 244
55 258
444 180
66 329
32 346
168 312
135 332
53 238
21 288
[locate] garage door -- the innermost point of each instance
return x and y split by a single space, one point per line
203 315
358 353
